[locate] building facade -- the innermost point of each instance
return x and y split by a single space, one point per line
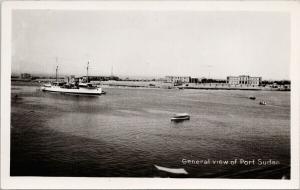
244 80
178 79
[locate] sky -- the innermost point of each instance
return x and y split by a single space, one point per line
152 43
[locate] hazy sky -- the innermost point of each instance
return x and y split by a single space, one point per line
152 43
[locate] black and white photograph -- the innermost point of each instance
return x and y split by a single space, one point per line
160 92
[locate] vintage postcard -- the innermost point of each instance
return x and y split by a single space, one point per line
150 94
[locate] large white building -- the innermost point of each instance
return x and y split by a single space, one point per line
178 79
244 79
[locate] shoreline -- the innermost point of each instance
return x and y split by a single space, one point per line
167 86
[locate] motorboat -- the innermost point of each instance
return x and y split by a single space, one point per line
263 103
180 117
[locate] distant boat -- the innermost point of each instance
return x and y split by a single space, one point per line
172 170
180 117
252 97
263 103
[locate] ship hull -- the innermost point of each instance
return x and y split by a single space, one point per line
80 91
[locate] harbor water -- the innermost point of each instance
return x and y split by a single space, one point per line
128 131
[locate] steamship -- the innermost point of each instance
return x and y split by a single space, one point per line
75 87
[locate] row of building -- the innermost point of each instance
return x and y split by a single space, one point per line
232 80
28 76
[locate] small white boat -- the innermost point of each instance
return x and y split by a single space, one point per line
172 170
263 103
180 117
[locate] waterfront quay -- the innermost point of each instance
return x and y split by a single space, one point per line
204 86
200 86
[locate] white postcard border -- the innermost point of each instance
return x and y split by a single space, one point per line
8 182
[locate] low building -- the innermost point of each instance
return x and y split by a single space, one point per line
244 80
178 79
100 78
25 76
14 76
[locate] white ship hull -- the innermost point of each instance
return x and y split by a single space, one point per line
80 91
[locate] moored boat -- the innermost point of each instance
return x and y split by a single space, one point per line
180 117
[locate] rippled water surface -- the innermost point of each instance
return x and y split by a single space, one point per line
127 131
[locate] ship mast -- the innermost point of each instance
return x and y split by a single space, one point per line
56 72
87 71
56 68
